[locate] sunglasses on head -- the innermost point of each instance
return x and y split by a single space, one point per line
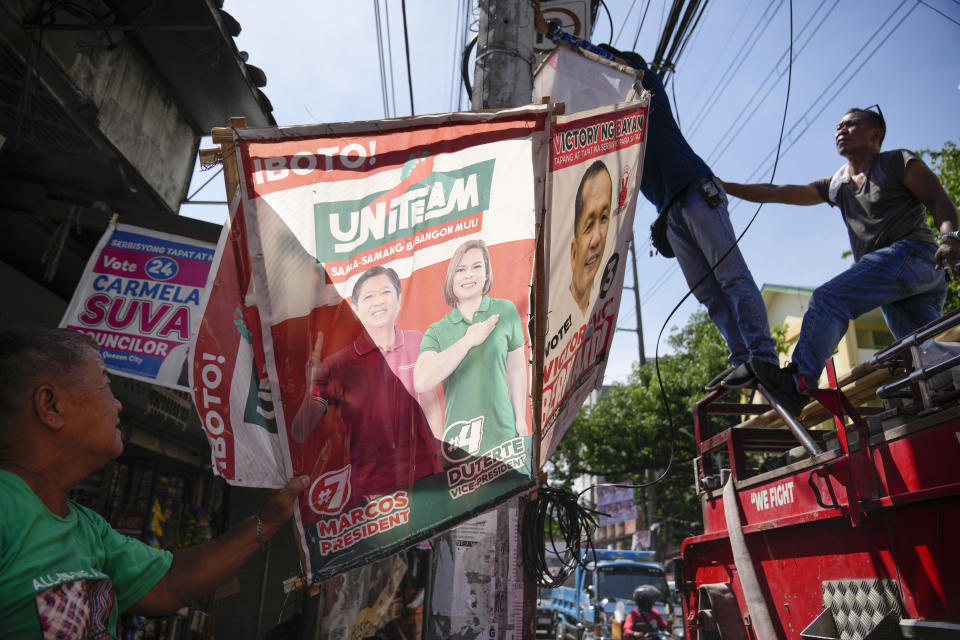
879 112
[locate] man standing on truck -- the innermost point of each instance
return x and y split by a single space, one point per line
898 267
693 224
644 619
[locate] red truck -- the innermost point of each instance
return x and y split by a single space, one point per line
845 532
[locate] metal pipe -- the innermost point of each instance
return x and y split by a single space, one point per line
938 327
921 373
636 300
795 427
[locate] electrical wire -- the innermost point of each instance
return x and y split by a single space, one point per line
685 38
692 40
663 392
719 55
724 82
609 17
406 44
676 110
559 512
663 16
626 19
668 25
733 131
661 281
455 83
473 26
674 39
927 6
640 28
818 101
465 67
198 189
380 57
386 22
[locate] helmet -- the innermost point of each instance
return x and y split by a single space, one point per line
645 595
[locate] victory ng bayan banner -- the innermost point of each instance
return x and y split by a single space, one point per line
596 160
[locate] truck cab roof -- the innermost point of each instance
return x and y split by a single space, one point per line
606 564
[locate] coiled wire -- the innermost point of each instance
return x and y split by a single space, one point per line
557 512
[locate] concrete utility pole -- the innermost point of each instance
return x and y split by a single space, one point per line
503 78
636 300
503 75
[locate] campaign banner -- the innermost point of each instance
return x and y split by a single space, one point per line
227 372
583 80
616 504
392 266
596 160
640 540
139 298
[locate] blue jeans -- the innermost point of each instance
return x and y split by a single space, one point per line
900 279
700 234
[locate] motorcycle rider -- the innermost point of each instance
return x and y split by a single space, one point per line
645 619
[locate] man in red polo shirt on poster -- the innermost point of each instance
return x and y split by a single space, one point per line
390 428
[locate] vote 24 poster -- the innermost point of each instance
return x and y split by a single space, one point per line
140 298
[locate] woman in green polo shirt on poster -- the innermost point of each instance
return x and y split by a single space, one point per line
476 353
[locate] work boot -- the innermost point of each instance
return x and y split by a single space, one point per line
740 377
781 385
718 379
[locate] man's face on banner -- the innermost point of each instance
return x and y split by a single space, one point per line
377 303
590 233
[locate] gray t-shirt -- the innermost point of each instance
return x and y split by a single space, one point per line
883 210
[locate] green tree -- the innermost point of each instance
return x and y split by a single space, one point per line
626 435
946 164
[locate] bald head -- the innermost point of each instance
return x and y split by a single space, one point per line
33 356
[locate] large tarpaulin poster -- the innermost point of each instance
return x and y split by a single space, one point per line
140 298
390 269
228 372
596 160
583 80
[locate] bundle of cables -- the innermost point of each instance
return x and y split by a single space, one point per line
570 525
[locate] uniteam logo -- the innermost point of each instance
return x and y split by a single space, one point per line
350 226
330 492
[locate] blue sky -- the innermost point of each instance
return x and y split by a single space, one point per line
322 65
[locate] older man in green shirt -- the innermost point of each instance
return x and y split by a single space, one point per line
64 573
